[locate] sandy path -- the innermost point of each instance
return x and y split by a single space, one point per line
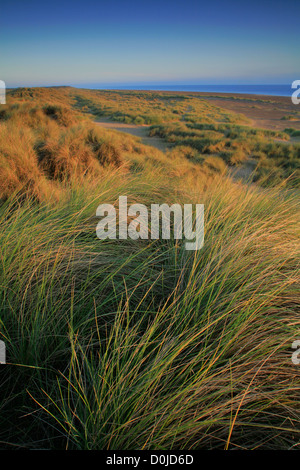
139 131
240 173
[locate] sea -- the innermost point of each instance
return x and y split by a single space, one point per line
272 90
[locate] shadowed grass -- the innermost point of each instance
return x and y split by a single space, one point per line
142 345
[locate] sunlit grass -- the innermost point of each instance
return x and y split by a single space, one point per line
141 344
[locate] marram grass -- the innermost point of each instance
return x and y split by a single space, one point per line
141 344
122 345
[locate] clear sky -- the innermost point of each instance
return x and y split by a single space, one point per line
158 41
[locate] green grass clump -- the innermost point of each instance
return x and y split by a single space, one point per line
280 164
143 345
292 132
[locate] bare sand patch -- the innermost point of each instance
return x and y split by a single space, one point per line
267 112
141 131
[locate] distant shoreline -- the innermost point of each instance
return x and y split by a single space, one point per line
257 90
265 90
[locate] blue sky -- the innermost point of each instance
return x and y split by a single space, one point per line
134 42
